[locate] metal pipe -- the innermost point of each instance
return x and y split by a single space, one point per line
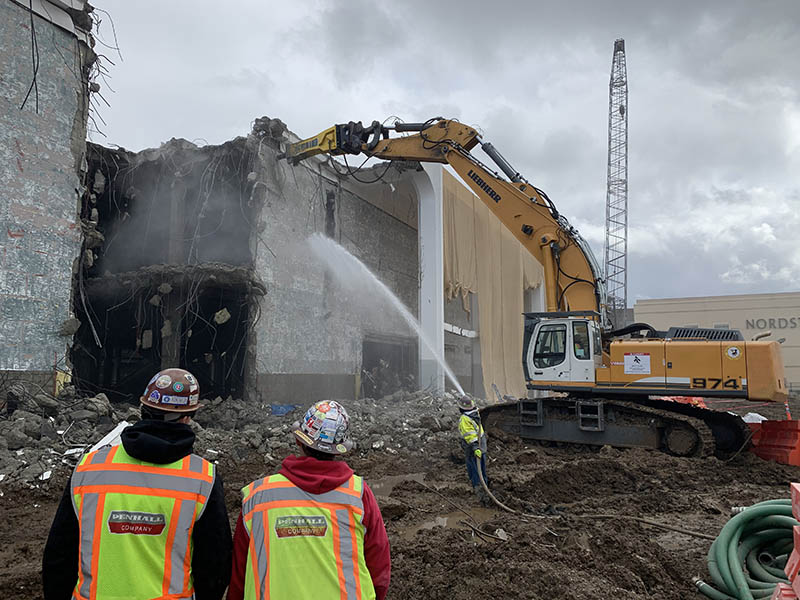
549 274
408 127
501 162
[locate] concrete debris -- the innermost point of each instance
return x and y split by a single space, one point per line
69 327
164 289
273 128
42 433
222 316
155 300
403 420
99 185
91 237
147 339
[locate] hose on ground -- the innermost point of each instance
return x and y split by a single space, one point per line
746 559
495 500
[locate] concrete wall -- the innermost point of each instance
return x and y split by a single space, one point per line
308 341
40 157
750 313
461 352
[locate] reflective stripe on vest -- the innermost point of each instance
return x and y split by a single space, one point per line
134 512
322 531
469 429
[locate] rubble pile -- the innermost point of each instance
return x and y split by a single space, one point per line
40 432
403 420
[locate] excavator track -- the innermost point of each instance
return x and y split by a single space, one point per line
672 427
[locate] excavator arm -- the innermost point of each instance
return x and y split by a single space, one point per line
573 281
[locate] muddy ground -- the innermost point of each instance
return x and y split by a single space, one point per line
569 552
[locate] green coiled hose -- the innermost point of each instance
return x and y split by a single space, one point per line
746 560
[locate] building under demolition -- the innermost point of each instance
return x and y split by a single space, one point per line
117 264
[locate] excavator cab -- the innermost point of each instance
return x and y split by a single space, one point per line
562 348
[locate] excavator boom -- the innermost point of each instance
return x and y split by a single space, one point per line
610 381
573 279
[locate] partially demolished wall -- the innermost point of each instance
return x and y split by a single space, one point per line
165 277
197 257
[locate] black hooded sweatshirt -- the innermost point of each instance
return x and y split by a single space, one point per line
160 443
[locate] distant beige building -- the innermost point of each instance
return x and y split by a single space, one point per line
750 313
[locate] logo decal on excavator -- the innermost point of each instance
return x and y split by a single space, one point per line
484 186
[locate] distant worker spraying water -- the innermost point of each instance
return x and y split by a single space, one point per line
349 269
473 442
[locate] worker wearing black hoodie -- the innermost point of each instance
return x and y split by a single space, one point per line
146 518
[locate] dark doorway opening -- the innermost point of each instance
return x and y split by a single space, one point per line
388 364
197 318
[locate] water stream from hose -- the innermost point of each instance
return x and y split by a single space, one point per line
350 270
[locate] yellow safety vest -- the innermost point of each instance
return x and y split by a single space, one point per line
471 431
305 545
136 520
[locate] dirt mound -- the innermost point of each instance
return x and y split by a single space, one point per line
418 474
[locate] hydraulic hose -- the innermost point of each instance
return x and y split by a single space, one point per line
746 559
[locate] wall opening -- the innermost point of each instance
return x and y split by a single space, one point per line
388 364
165 278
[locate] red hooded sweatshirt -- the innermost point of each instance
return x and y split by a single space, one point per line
317 477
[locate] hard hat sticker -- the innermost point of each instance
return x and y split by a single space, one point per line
163 381
155 395
177 386
304 437
177 400
190 378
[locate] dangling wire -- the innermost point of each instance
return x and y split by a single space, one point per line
35 60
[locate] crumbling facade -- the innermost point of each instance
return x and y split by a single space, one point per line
198 257
46 63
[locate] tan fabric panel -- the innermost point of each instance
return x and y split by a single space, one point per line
481 256
460 273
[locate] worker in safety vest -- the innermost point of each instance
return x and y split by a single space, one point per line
146 518
314 530
473 442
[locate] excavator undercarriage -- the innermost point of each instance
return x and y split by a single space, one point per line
678 429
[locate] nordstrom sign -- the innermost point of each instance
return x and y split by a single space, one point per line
773 323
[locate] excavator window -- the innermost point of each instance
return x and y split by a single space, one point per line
580 340
550 347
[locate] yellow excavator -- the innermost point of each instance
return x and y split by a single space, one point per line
588 382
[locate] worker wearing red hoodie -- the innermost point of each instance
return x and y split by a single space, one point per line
314 530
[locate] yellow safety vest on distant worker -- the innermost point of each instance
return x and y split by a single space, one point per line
136 520
305 545
472 432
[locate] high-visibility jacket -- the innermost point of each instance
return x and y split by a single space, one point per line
472 432
136 520
305 545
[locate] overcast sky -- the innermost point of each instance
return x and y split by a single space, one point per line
714 105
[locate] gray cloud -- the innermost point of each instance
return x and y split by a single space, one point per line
714 105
